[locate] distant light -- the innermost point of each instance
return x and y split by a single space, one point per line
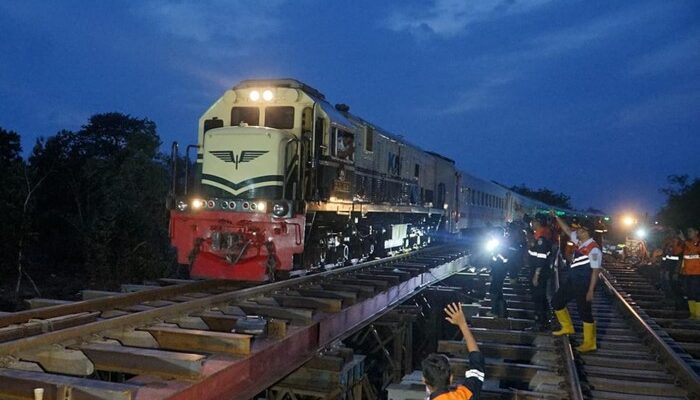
267 95
607 218
641 233
445 206
628 220
254 95
656 222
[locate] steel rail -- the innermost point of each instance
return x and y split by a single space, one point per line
686 375
575 392
109 302
169 311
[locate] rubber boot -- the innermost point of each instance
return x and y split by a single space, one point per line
589 340
567 327
694 308
691 309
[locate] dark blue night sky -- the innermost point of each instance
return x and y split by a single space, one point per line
596 99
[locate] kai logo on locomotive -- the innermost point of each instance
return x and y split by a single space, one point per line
245 156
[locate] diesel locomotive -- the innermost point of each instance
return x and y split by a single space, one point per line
285 182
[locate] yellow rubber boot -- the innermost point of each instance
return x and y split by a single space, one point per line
694 307
567 327
589 340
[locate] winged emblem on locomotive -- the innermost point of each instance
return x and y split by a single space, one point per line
245 156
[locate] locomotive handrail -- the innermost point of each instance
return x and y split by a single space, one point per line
689 378
187 164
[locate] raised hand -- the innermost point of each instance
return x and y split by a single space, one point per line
455 315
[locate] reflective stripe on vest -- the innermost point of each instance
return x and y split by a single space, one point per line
581 255
538 255
674 258
691 257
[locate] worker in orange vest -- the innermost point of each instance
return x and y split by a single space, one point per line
690 270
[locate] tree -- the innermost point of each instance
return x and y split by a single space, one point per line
102 211
11 182
544 195
682 208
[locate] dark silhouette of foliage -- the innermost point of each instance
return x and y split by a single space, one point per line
12 184
544 195
682 208
102 212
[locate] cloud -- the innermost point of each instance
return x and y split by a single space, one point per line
236 20
664 110
449 18
683 55
483 95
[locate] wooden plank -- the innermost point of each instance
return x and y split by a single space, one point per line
39 302
378 284
15 384
201 341
166 364
96 294
131 337
188 322
317 303
59 360
295 315
32 328
130 288
364 291
276 329
218 321
348 298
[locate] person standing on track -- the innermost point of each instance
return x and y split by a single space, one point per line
690 270
437 375
580 284
539 250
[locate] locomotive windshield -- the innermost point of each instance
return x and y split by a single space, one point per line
246 115
279 117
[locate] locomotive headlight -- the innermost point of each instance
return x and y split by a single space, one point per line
280 209
254 95
492 244
268 95
197 204
261 206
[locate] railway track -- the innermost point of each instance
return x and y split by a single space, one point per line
640 285
177 342
633 360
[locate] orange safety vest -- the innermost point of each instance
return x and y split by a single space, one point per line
459 393
691 258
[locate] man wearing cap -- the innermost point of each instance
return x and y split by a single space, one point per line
580 284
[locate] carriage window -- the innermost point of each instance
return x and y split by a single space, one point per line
247 115
279 117
416 171
369 139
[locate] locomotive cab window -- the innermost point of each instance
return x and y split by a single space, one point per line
245 115
343 144
279 117
369 139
